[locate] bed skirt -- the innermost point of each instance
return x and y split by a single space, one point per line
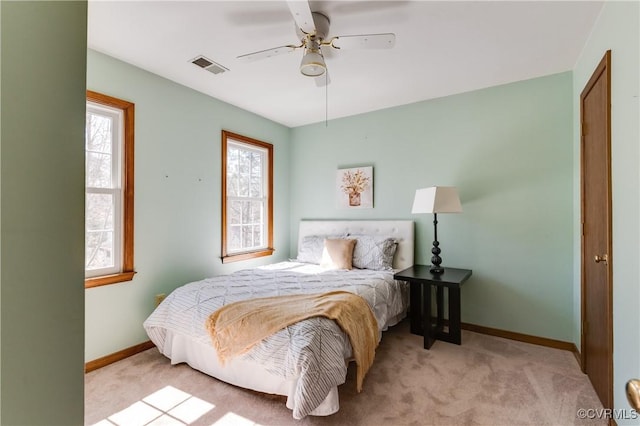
243 372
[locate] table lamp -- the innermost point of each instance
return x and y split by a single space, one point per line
436 199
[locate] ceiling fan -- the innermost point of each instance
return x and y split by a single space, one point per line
312 29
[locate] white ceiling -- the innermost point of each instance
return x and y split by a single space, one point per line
442 48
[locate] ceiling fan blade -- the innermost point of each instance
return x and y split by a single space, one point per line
301 12
365 41
263 54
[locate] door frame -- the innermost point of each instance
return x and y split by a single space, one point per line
604 67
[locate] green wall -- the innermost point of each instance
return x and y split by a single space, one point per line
177 196
508 149
0 208
618 30
43 56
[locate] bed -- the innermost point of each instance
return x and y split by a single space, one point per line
307 361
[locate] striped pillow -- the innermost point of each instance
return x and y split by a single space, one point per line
374 252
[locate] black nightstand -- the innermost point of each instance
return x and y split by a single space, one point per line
420 280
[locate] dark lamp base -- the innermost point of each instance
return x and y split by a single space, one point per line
435 250
436 270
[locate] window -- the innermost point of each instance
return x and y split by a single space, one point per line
109 190
247 198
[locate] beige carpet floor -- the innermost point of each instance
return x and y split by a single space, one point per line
485 381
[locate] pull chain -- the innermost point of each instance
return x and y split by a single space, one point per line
326 99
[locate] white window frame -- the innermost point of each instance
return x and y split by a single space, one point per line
262 199
116 189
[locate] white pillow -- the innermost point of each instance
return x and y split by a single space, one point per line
374 252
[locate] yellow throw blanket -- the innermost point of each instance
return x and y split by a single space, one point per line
237 327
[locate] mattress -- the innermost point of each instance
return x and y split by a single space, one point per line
306 361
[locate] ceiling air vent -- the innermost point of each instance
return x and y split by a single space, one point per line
209 65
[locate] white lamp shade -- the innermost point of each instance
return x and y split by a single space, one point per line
312 64
437 199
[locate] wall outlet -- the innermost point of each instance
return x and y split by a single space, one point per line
159 298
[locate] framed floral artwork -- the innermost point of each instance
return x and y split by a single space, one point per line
355 188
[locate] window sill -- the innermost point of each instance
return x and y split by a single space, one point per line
108 279
247 255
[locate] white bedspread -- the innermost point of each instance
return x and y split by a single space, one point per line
313 350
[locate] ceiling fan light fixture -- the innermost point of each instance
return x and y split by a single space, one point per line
312 64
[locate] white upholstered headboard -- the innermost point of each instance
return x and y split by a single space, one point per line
402 230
